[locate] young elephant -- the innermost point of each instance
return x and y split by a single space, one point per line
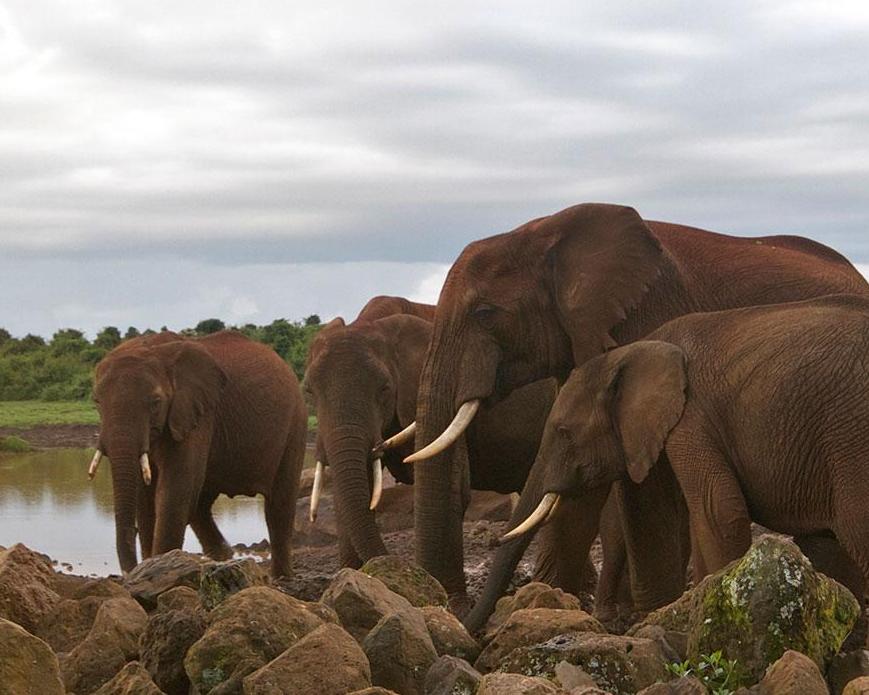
761 413
184 420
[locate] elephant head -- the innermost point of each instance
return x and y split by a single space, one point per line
608 424
521 306
149 392
362 379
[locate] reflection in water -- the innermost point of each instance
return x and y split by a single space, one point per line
48 503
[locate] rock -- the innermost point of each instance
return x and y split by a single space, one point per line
324 531
400 651
621 665
758 607
450 675
374 690
157 574
225 578
793 674
406 579
532 595
448 634
179 598
674 645
489 506
245 632
28 666
167 637
361 601
113 640
27 592
515 684
529 626
571 676
846 667
133 679
68 623
327 661
858 686
686 685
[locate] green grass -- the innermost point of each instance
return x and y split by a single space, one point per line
34 413
14 444
312 423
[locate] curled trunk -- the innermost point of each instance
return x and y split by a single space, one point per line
347 449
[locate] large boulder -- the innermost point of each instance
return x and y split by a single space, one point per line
167 637
621 665
400 651
27 664
758 607
113 640
858 686
448 634
157 574
361 601
450 675
133 679
406 579
245 632
327 661
686 685
226 578
531 595
529 626
516 684
793 674
27 592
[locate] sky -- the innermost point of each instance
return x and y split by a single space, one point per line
165 162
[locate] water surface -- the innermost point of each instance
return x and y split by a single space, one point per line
48 503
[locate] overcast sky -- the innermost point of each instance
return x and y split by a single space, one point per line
164 162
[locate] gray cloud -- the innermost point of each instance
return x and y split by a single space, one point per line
225 136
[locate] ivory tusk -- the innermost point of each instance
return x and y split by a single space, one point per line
378 484
146 468
550 499
553 510
315 492
95 463
450 434
396 439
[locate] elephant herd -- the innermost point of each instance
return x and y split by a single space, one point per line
658 385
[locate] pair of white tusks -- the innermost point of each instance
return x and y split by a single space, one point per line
449 436
544 512
317 489
143 462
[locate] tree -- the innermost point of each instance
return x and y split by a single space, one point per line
68 341
209 326
108 338
4 336
132 332
312 320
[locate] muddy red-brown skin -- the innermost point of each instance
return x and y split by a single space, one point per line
546 297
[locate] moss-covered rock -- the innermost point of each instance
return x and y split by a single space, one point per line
226 578
532 595
766 603
620 665
406 579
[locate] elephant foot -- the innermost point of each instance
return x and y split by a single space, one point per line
220 553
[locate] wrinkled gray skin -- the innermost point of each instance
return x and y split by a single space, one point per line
760 414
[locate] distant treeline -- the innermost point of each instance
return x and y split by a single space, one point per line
60 369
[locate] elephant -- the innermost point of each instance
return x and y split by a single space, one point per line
760 413
362 379
184 420
546 297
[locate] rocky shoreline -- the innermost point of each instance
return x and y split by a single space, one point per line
181 623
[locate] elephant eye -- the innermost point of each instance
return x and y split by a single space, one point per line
485 314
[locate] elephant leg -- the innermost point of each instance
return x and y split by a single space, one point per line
698 567
145 521
281 506
210 538
614 568
828 556
563 559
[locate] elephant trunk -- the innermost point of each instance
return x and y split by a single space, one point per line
347 449
509 554
126 480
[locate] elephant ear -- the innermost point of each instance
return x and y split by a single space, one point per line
602 261
197 382
408 337
647 401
